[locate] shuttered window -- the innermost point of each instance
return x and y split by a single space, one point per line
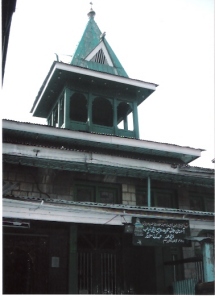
200 202
99 193
159 198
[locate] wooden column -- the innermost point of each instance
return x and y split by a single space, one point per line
67 108
208 261
89 111
135 120
149 191
115 116
126 123
58 113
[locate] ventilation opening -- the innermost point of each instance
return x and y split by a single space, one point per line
100 58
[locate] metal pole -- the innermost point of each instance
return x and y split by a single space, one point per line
208 261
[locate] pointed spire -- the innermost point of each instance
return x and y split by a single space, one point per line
91 14
94 52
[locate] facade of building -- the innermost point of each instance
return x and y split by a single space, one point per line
88 207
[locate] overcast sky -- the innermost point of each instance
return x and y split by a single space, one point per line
167 42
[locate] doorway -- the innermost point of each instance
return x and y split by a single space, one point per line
108 263
25 264
98 261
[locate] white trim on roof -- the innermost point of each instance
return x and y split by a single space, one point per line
92 73
106 76
28 210
104 139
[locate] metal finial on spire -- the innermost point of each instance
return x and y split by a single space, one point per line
91 14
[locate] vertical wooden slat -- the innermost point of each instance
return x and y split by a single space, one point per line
112 289
108 273
115 274
105 272
87 265
101 275
91 272
73 274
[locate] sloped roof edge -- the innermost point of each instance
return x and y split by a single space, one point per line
101 138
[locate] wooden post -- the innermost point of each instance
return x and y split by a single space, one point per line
58 113
67 108
115 116
126 123
149 191
135 120
208 261
89 111
73 260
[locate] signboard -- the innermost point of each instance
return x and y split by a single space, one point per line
160 232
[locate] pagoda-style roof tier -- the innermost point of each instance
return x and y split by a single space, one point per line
62 75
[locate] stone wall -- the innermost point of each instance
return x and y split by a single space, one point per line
37 182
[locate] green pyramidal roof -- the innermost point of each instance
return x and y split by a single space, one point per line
94 52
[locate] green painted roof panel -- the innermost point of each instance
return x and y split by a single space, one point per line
89 41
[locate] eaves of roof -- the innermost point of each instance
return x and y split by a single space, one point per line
196 170
43 135
76 161
61 73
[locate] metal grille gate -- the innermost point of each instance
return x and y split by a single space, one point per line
85 276
97 272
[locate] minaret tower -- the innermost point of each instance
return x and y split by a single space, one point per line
93 93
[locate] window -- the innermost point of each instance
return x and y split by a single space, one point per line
100 193
159 198
164 198
200 202
209 204
85 193
196 203
141 197
106 195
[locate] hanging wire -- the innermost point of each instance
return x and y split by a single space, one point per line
111 219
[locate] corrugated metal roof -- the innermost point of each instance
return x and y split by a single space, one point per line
83 141
102 134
